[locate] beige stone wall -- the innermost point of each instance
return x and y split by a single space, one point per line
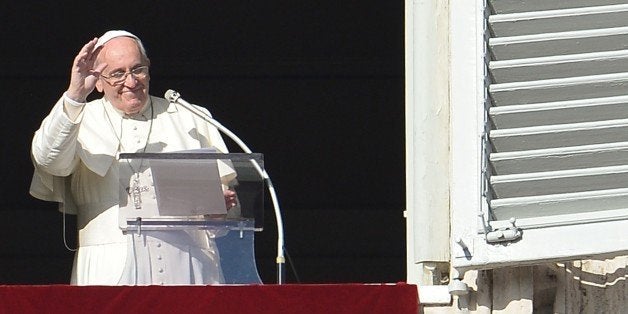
585 286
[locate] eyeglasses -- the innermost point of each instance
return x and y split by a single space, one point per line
118 77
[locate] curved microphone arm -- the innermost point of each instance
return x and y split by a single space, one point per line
175 97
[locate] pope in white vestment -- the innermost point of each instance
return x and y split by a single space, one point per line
75 154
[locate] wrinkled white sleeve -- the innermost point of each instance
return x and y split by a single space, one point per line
54 158
54 143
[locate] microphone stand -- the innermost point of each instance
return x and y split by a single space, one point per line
175 97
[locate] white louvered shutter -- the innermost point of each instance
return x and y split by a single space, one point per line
555 154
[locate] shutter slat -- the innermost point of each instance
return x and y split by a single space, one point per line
577 157
572 88
560 112
542 68
548 136
563 43
559 182
554 21
518 6
560 204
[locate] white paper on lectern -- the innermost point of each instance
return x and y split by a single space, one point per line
188 187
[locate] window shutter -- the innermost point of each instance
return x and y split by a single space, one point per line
555 153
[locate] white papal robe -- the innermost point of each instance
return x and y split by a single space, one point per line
76 165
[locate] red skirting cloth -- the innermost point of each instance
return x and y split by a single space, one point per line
290 298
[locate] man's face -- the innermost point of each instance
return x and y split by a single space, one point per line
122 55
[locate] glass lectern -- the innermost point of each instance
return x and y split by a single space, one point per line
188 191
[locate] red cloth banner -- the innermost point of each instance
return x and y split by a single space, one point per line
290 298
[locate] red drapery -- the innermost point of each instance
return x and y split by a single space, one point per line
291 298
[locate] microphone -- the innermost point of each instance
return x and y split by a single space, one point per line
174 97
